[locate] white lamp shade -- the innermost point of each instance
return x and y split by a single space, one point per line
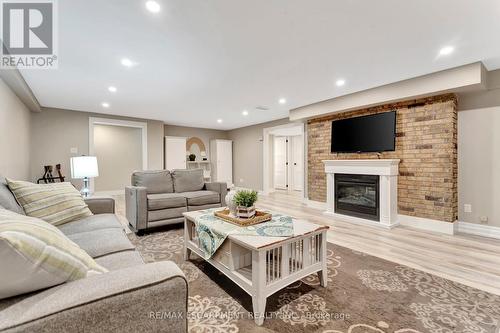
84 166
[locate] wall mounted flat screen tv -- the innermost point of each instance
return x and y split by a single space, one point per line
373 133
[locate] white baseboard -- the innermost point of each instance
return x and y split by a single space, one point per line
421 223
479 229
357 220
315 204
448 228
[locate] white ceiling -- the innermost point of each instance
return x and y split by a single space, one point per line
199 61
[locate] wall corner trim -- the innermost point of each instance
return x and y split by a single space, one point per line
478 229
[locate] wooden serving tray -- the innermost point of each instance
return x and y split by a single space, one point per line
258 218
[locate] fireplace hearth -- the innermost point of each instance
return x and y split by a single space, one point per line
357 195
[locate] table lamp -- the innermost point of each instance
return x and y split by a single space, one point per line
84 167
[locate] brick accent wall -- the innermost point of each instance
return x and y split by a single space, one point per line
426 144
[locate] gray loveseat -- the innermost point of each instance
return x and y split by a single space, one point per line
158 198
128 298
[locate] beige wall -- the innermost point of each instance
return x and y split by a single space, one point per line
119 152
247 154
204 134
56 131
483 98
479 165
478 99
14 135
479 153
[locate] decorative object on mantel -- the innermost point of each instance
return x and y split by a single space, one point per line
245 200
259 217
192 157
203 155
48 177
84 167
230 201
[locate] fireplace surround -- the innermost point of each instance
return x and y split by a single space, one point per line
363 190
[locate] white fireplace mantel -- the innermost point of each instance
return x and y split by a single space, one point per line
387 170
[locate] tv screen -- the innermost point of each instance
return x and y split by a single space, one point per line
373 133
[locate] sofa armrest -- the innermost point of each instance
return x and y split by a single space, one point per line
101 205
219 187
136 203
142 298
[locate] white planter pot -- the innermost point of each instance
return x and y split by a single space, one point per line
245 212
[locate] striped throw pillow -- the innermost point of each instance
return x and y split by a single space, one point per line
56 203
37 255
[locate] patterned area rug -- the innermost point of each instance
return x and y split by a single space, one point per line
365 294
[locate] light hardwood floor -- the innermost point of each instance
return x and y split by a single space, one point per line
473 261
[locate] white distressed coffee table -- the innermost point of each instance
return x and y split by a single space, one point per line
263 265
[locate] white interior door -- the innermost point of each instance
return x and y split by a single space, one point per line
225 161
175 153
297 167
280 162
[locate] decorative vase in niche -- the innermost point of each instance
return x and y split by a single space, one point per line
230 201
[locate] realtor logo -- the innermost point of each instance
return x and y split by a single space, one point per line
28 34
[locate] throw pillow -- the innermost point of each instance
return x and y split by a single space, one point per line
7 199
188 180
37 255
55 203
155 181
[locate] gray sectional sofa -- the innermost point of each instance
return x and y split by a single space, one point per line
158 198
125 299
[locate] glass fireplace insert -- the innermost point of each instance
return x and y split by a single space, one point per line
358 196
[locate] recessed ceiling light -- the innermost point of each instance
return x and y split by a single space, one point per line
340 82
245 113
447 50
127 62
153 6
105 105
219 121
282 101
112 89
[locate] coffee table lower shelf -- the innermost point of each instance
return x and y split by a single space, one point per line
263 270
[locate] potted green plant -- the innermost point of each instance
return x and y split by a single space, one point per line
192 157
244 201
